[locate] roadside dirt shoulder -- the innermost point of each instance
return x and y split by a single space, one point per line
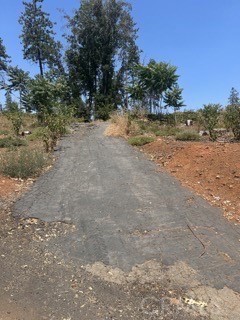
212 170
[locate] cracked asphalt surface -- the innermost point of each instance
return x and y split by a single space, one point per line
119 236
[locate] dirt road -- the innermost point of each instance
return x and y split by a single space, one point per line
105 235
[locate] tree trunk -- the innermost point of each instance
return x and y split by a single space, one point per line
150 105
175 116
125 92
40 62
39 50
20 99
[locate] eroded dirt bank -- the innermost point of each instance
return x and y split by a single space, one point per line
210 169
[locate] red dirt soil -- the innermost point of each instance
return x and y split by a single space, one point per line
9 187
212 170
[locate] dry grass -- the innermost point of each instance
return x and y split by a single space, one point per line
140 140
29 121
5 124
22 163
121 126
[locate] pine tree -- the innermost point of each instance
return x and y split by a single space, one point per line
8 100
18 81
234 97
4 58
37 37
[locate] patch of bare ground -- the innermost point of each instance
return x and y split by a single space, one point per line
8 186
10 310
172 292
212 170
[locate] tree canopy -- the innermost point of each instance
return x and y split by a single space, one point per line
151 82
173 98
37 37
100 70
4 58
233 97
102 37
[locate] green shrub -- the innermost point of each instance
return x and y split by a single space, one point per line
142 125
103 111
16 118
167 131
4 132
209 117
12 142
232 120
188 136
148 127
37 134
22 164
140 140
185 115
34 125
56 124
156 117
157 128
153 128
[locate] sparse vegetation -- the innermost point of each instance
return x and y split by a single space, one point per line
232 119
12 142
55 126
37 134
188 136
16 119
122 126
140 140
209 117
4 132
23 163
148 126
168 131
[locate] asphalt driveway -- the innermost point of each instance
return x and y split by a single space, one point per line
130 227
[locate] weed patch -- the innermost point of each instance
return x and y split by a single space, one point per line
24 163
37 134
4 132
140 140
168 131
188 136
12 142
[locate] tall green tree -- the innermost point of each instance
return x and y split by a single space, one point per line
10 105
233 97
102 37
173 98
8 100
45 95
4 58
152 81
232 119
37 37
18 80
4 61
